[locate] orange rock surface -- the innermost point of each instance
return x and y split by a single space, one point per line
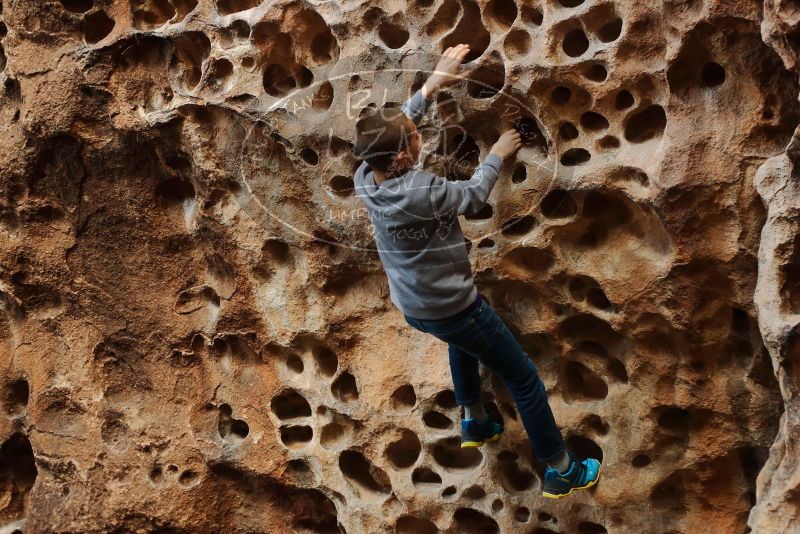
195 330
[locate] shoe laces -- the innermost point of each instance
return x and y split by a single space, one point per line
581 472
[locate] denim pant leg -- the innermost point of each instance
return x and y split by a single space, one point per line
466 376
463 365
484 335
506 357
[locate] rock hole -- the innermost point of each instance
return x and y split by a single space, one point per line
610 31
219 75
446 399
392 34
595 72
517 43
17 472
304 77
482 214
188 478
587 527
151 14
191 50
501 14
497 506
156 475
323 47
594 122
596 424
606 208
77 6
608 142
408 524
624 100
449 491
522 514
310 156
240 28
470 521
752 460
581 384
333 434
575 156
289 404
327 361
96 26
558 204
486 243
596 298
486 81
470 30
520 173
675 420
17 394
296 435
640 460
583 448
230 428
342 186
228 7
404 452
363 474
344 387
575 43
300 471
530 133
474 493
444 19
323 97
449 454
403 398
512 477
647 124
424 477
712 74
529 260
544 517
517 226
560 95
436 419
278 81
567 131
570 3
532 15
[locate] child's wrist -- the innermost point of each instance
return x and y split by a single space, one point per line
428 90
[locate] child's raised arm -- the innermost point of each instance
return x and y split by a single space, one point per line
444 73
467 197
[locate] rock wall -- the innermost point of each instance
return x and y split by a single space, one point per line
196 334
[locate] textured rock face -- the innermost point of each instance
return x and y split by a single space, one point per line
196 336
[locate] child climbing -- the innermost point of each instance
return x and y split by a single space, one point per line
419 240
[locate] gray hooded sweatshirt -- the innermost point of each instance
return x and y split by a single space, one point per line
417 232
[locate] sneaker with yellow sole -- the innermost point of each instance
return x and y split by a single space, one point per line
577 476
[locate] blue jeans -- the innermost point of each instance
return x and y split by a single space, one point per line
482 336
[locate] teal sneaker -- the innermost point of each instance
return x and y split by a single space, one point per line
578 475
475 432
